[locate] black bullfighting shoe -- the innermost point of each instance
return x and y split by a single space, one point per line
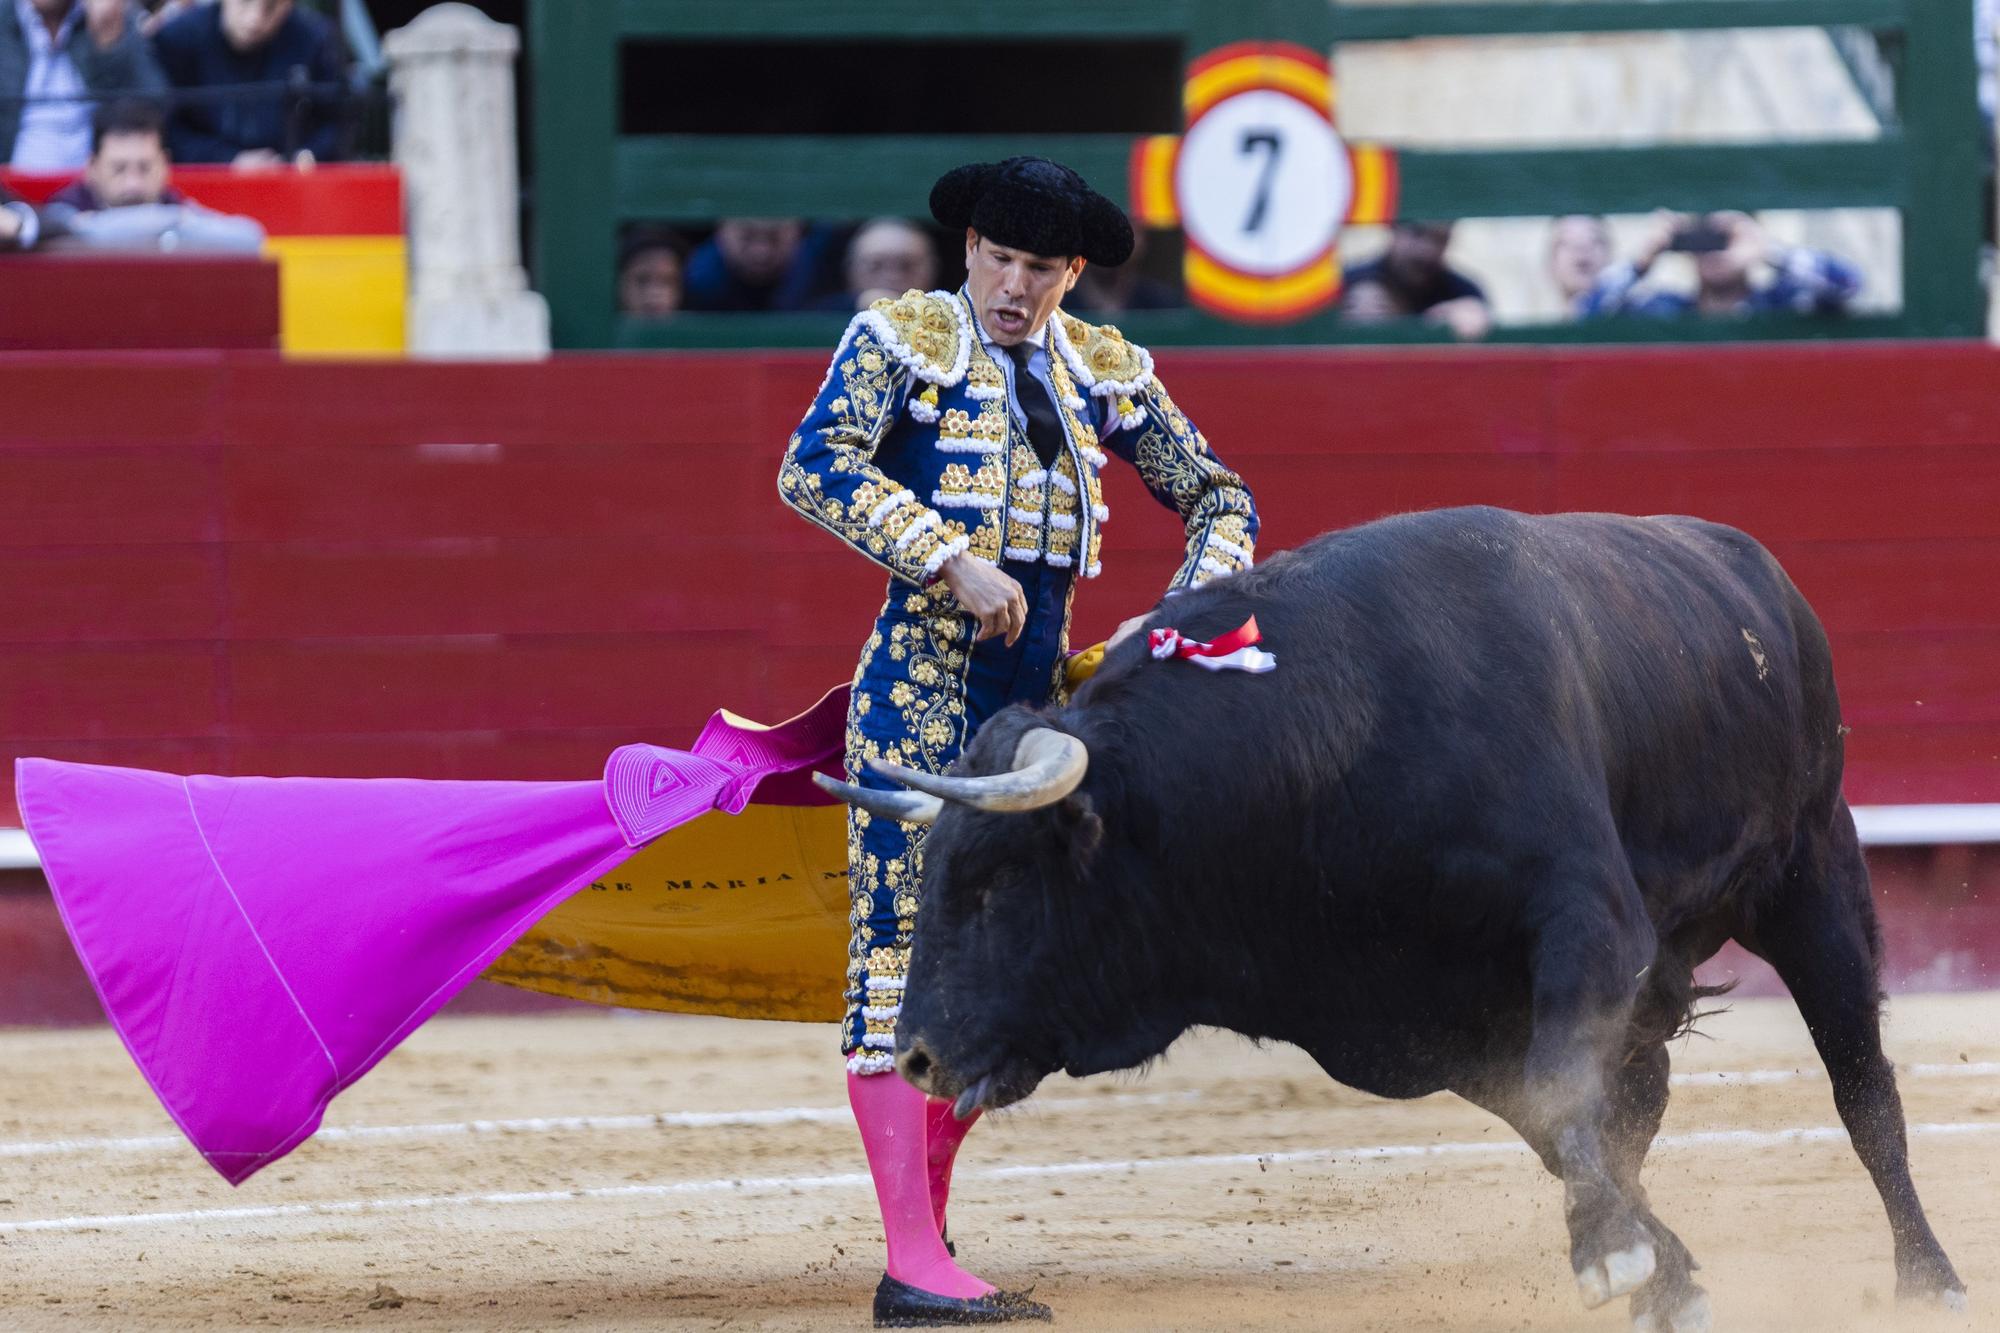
900 1305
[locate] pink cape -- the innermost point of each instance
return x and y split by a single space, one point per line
260 943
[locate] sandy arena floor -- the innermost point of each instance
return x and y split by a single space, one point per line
710 1178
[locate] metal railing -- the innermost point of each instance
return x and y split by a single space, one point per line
354 110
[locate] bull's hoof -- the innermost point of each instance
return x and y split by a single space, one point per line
1929 1277
1931 1282
900 1305
1619 1273
1951 1299
1692 1316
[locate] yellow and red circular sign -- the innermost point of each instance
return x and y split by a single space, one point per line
1261 182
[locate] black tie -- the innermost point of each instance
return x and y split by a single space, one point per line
1045 430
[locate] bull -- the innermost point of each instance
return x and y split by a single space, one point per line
1513 779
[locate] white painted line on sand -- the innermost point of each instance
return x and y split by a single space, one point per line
831 1115
1719 1078
569 1124
1740 1138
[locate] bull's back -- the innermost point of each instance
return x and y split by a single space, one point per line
1664 666
1447 663
1705 660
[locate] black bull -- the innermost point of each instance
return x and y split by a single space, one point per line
1513 779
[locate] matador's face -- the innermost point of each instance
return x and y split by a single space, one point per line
1015 292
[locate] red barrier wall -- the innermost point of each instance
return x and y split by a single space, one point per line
58 301
223 562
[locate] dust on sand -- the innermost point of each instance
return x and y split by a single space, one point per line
1170 1228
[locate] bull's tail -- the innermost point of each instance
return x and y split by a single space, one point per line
1672 1005
1692 1013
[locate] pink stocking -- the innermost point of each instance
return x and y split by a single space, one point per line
892 1116
943 1132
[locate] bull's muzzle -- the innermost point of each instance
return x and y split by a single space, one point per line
923 1072
914 1063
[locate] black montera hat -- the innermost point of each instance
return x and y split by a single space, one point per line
1033 204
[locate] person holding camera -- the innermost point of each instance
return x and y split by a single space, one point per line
1739 270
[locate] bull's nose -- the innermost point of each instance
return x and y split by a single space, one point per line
914 1063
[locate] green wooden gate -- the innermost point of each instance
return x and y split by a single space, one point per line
1928 161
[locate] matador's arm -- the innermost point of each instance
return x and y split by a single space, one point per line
829 473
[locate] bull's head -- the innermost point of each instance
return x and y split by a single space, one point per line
1022 964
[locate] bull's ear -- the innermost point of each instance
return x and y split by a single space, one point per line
1084 825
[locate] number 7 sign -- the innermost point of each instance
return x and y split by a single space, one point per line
1261 183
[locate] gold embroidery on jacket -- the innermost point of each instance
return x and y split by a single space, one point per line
897 532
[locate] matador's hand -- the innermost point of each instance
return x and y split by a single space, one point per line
988 592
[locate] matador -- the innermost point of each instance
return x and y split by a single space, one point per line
957 442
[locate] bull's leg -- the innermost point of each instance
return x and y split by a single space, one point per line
1589 953
1819 931
1672 1302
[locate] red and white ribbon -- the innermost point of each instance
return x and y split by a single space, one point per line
1234 651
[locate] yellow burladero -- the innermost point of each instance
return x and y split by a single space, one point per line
740 915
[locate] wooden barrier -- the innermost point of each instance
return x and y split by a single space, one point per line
78 302
228 563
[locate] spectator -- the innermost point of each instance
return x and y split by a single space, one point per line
1738 271
213 48
886 257
652 265
1579 252
1109 291
20 227
126 202
1413 275
55 56
757 264
1369 302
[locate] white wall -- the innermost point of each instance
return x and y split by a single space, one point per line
1645 88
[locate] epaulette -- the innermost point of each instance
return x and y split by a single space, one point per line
926 331
1100 358
1104 363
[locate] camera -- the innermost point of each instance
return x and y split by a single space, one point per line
1699 239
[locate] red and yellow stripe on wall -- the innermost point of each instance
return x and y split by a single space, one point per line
1261 95
337 234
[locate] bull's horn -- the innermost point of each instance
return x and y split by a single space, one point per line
909 806
1048 765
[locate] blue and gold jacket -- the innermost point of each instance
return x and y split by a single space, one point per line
910 454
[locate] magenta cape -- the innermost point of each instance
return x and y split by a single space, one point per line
260 943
